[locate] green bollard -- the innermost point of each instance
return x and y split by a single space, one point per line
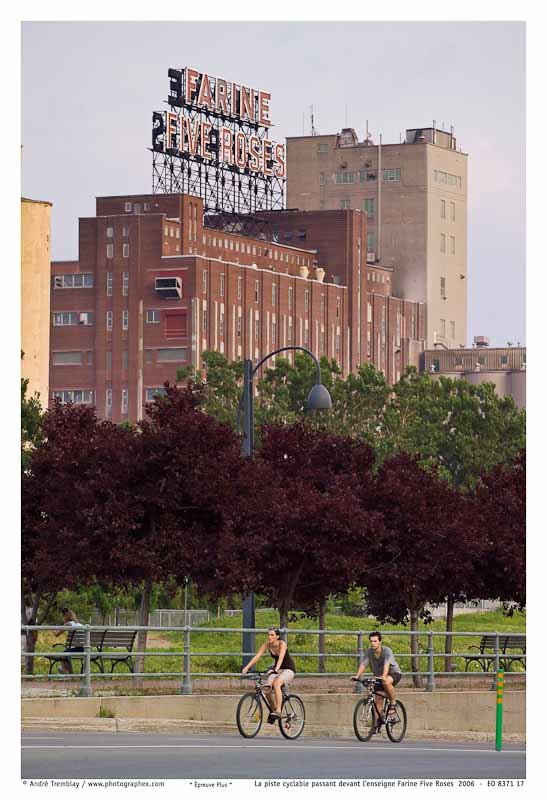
499 711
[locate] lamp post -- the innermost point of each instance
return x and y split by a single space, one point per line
318 398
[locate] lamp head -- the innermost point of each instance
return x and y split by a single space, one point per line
319 398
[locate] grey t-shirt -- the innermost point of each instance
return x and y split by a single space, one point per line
377 664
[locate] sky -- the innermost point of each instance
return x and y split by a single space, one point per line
88 90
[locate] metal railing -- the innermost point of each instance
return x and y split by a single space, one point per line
496 657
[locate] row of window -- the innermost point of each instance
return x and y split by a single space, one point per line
72 358
110 250
378 277
452 328
86 396
267 252
257 293
63 318
446 177
362 176
136 208
110 283
77 280
110 232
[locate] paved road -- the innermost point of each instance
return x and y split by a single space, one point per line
63 754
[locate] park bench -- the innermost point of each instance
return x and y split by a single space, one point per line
485 657
101 643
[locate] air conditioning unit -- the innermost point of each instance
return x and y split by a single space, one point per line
371 257
169 288
85 318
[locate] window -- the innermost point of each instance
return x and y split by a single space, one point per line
125 283
337 343
166 230
177 233
257 329
172 354
204 321
274 294
289 331
503 360
128 206
443 243
344 177
322 148
72 358
306 333
65 318
152 316
345 204
125 231
239 288
125 400
110 233
321 179
86 318
125 250
146 207
221 324
443 209
307 300
257 291
453 212
322 303
371 242
78 280
204 281
109 317
137 208
239 324
222 280
171 232
302 235
274 331
125 319
443 288
125 359
109 283
452 329
149 356
157 391
446 177
391 175
452 245
84 396
443 327
110 251
369 206
108 403
369 312
290 297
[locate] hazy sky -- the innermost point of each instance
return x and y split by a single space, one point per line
89 89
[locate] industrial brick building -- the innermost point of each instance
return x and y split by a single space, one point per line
414 195
157 282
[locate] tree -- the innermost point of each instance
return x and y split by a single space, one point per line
31 421
306 505
412 556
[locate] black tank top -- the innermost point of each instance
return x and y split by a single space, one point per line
287 662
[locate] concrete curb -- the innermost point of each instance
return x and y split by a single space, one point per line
136 725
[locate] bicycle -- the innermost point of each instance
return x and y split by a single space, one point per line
366 721
249 713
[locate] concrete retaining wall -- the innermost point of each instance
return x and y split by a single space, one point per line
462 715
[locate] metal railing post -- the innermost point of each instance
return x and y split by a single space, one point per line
430 687
496 661
186 682
85 690
499 710
358 688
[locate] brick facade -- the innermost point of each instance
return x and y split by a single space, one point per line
241 295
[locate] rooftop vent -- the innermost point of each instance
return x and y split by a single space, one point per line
481 341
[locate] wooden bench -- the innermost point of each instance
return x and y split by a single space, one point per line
485 657
101 644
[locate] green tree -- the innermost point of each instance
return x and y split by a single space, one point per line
31 423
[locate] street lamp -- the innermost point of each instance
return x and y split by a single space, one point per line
318 398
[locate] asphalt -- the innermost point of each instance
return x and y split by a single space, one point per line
76 755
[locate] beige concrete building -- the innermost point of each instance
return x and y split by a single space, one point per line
415 197
35 292
505 367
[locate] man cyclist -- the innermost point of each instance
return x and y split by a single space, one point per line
383 665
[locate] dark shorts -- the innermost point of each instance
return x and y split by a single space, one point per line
74 649
396 676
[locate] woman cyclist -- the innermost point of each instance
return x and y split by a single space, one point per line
282 671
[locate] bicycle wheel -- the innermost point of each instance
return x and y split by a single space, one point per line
396 724
365 719
293 717
249 715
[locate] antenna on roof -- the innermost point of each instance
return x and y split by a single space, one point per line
313 130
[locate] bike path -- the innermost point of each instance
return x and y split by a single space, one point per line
51 754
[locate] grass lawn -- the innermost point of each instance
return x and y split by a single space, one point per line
208 646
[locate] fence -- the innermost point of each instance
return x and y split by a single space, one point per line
160 618
199 663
